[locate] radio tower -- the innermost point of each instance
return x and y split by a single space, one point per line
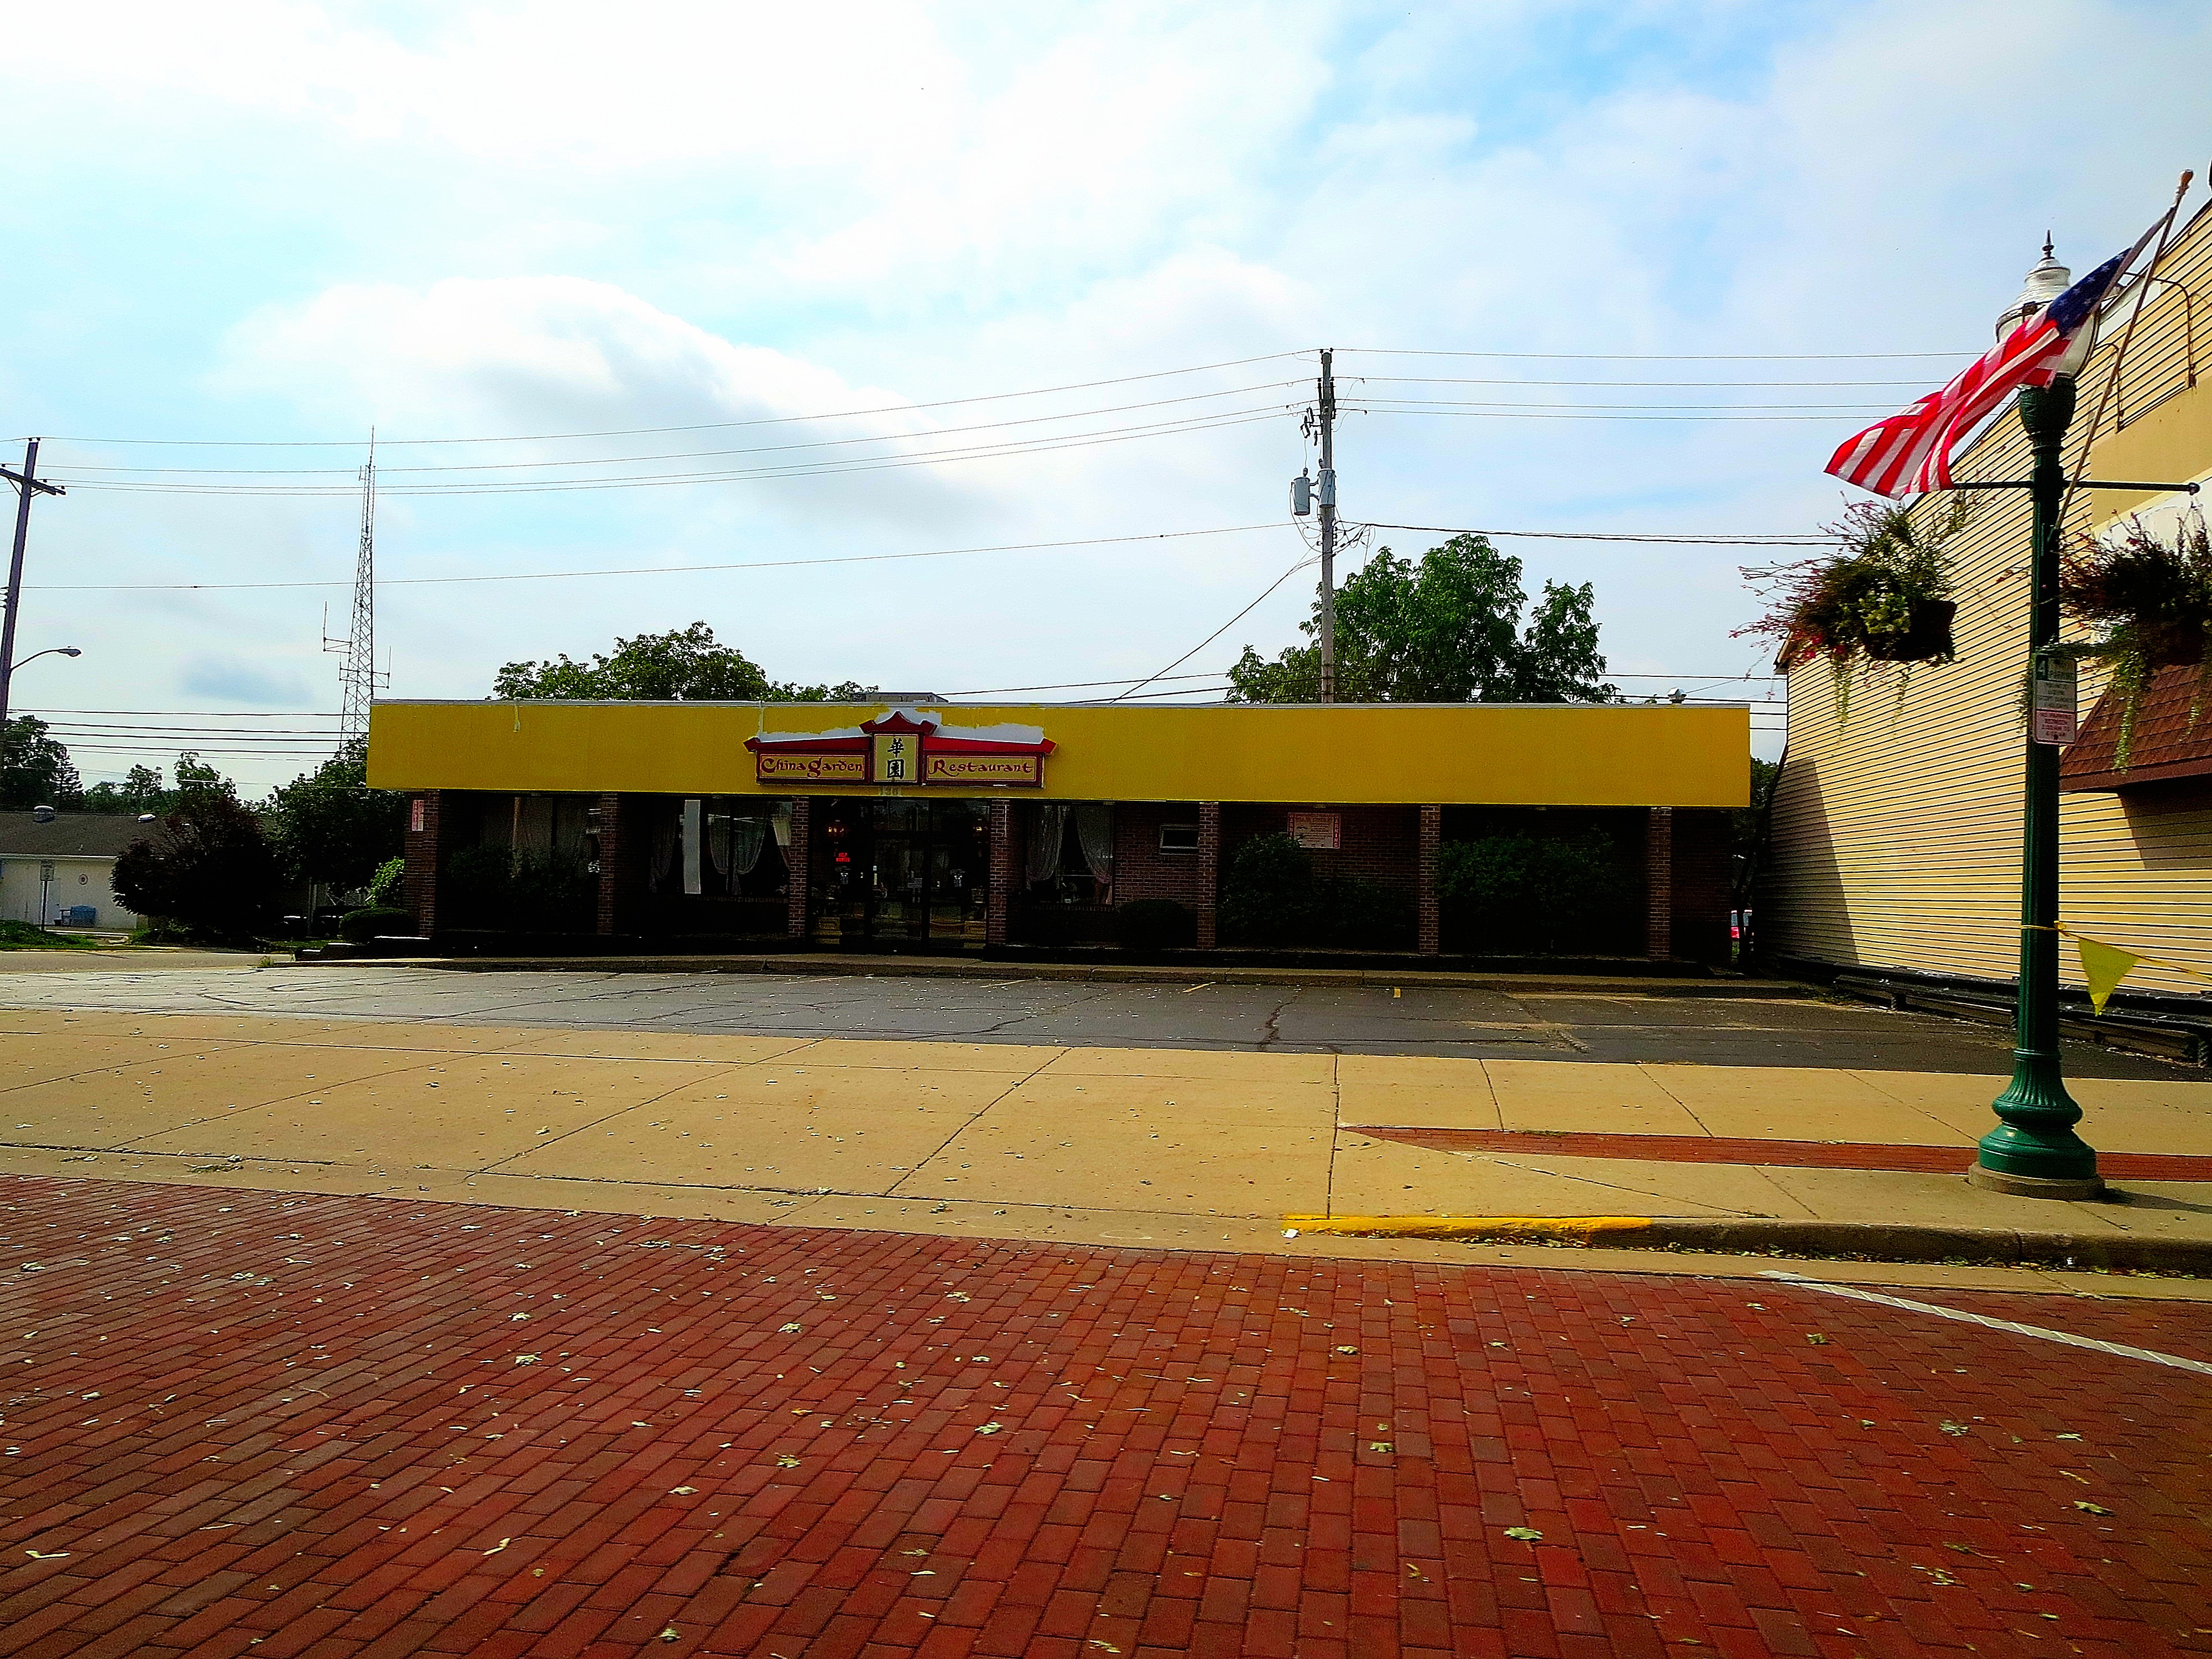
358 679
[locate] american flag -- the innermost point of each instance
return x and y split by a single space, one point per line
1909 454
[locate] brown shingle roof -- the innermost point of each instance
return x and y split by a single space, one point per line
2173 735
70 834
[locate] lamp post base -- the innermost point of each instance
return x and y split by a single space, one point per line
2019 1186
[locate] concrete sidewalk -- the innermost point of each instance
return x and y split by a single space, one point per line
1154 1146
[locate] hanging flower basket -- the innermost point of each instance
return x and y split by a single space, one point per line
1883 596
2150 600
1927 637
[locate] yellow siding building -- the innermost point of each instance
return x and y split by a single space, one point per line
1895 837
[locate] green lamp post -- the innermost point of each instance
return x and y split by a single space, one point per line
2034 1151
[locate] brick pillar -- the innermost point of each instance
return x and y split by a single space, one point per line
1659 883
998 895
1428 910
798 861
1209 871
619 828
423 848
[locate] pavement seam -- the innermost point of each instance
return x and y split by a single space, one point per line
633 1106
977 1116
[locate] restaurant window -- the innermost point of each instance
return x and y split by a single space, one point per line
718 846
1071 852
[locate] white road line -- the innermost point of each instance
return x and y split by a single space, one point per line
2067 1337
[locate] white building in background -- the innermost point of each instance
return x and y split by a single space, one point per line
59 871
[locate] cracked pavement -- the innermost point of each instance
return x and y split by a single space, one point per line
1606 1026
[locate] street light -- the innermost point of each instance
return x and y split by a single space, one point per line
50 651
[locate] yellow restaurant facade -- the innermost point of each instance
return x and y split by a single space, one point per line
1895 835
914 823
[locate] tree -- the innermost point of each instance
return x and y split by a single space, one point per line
1447 630
329 826
206 870
685 665
35 769
144 789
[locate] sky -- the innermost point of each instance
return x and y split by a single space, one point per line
813 289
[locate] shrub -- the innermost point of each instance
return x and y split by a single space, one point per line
374 923
1270 896
386 884
1537 894
206 872
1154 925
492 887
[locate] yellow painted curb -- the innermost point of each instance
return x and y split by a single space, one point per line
1465 1226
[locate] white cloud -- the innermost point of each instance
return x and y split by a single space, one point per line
531 356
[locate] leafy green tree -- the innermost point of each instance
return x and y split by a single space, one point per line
143 789
35 769
205 869
1450 629
685 665
329 826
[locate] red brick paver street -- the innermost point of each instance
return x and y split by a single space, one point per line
242 1423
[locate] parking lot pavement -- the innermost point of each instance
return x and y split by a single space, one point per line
1475 1024
247 1423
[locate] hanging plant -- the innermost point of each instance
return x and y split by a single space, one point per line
1883 596
2150 601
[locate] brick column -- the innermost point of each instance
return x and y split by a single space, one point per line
422 847
1659 883
1209 871
1427 908
798 862
998 894
618 827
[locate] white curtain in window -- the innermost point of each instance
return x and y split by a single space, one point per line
665 827
1045 837
748 836
1094 833
782 819
694 845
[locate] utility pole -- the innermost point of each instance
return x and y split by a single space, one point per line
1328 527
28 484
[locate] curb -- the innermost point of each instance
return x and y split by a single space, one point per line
1095 973
1875 1241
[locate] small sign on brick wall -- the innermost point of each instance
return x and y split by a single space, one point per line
1319 832
416 814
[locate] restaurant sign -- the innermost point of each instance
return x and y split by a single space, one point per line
903 748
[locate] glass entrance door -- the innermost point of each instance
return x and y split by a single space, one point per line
908 873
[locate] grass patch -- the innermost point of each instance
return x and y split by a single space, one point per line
22 936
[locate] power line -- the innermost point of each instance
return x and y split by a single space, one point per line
702 426
1301 565
1446 379
785 469
1713 539
389 472
1662 356
662 570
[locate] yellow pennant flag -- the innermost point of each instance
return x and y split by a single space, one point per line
2104 966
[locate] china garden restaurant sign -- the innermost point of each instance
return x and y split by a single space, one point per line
903 747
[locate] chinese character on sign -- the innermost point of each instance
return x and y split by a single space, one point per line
895 757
